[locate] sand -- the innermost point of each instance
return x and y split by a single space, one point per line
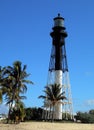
46 126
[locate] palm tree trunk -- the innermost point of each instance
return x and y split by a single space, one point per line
53 114
9 112
46 114
50 113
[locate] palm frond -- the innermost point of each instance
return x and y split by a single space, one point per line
43 97
24 67
27 81
53 93
0 96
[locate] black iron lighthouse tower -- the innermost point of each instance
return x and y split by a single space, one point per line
58 54
58 69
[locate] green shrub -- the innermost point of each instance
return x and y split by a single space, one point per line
85 117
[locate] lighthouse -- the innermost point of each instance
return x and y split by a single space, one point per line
58 72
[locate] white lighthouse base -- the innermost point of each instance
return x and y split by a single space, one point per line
58 106
58 111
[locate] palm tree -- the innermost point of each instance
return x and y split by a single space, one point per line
53 95
2 80
0 84
14 83
5 86
19 108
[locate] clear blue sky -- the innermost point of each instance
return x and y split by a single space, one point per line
25 26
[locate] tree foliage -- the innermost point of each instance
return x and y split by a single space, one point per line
33 113
13 85
85 117
53 96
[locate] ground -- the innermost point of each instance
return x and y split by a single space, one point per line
46 126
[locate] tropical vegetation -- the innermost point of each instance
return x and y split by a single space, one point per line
52 97
85 117
13 85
